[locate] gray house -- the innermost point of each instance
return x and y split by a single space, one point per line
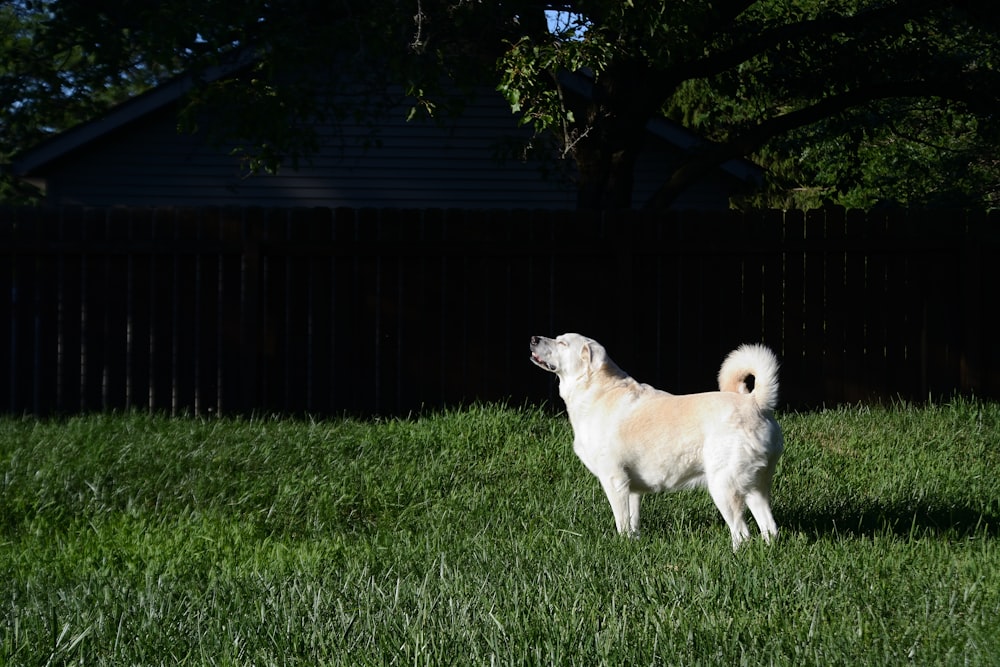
134 156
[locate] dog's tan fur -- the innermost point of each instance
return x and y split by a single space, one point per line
636 439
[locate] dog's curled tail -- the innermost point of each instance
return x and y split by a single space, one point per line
755 360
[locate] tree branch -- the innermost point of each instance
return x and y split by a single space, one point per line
745 47
755 137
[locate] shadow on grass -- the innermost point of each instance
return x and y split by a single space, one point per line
902 521
851 518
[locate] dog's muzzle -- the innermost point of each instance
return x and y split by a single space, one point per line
536 358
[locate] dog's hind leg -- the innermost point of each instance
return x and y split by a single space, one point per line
759 501
760 507
731 506
633 513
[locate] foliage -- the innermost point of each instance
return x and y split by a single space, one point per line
54 74
854 102
850 103
895 153
476 536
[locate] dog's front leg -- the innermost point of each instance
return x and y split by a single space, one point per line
616 489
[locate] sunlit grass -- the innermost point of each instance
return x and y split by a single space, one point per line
475 536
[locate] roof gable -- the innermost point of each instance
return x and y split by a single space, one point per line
170 92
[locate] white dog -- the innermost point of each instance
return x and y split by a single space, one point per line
637 439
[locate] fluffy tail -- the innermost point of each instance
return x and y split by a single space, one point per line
755 360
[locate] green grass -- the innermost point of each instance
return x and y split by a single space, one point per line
477 537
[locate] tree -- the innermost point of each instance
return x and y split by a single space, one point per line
758 78
50 82
897 152
841 100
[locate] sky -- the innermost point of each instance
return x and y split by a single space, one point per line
559 20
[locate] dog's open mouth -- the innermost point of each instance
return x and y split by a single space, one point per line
538 361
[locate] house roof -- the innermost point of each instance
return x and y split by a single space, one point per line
29 162
34 160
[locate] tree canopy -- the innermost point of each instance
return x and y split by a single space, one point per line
851 102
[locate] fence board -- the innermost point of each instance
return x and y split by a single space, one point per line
186 313
795 382
140 372
208 281
902 309
872 352
70 324
768 233
93 294
690 296
837 308
979 360
815 312
24 327
751 276
46 370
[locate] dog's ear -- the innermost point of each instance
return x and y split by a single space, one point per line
586 355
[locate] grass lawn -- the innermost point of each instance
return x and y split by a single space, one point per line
475 536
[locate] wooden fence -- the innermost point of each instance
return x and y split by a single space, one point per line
327 312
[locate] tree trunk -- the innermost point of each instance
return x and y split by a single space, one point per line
609 132
605 179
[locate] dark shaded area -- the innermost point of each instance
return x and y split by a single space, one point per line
388 312
905 521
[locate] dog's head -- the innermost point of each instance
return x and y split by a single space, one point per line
570 356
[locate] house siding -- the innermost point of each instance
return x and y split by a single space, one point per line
382 163
398 164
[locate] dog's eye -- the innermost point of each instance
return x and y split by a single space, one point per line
562 342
